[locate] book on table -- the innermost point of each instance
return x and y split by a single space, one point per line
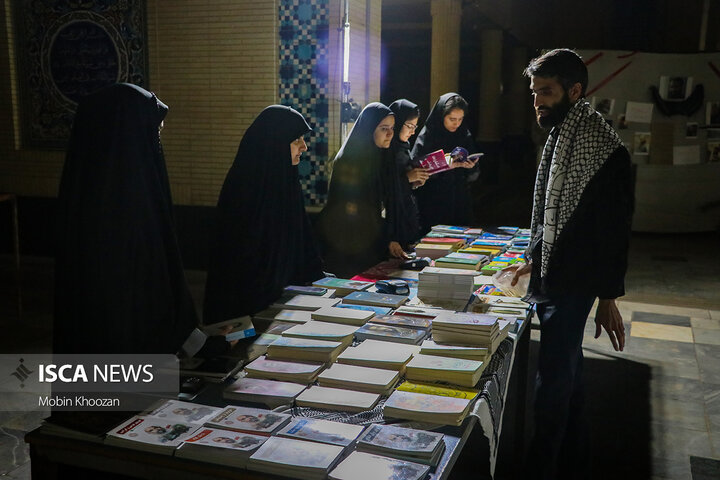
295 458
455 242
449 229
284 370
403 443
364 466
291 348
426 408
321 330
342 286
391 333
442 391
183 412
433 368
151 434
419 312
257 421
429 347
369 308
354 377
375 299
258 390
337 399
283 315
348 316
402 321
220 446
323 431
235 329
379 354
466 261
433 250
304 302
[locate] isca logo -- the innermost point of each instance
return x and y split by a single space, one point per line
22 373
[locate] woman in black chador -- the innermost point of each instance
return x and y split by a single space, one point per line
445 197
119 280
358 223
263 241
409 174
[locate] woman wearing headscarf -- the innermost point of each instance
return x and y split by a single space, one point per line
445 197
357 224
409 174
119 280
263 241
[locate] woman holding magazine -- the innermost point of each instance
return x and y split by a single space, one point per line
263 239
358 224
410 174
445 197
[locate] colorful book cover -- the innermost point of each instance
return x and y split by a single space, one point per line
369 308
455 392
259 386
342 284
449 364
152 431
323 431
215 437
247 419
391 333
434 162
399 439
421 402
303 343
295 316
184 412
402 321
362 465
288 452
378 299
266 365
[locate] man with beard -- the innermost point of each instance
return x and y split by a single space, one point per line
580 227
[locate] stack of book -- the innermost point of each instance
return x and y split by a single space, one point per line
404 443
429 347
347 316
471 329
258 390
320 330
365 379
442 391
379 354
337 399
291 348
342 286
283 315
463 261
322 431
375 299
426 408
220 446
456 243
433 250
391 333
363 466
432 368
402 321
250 420
295 458
446 283
283 370
449 229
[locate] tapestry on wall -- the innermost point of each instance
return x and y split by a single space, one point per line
304 30
67 49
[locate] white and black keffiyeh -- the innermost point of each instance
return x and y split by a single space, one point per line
569 161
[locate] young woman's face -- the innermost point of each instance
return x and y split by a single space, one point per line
384 132
408 129
454 119
297 147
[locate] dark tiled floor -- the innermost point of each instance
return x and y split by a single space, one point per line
652 407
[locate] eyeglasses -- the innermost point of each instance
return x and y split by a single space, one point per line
410 126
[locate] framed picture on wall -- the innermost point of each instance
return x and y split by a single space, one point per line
641 143
604 106
712 113
675 88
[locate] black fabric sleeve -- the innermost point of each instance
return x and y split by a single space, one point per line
613 221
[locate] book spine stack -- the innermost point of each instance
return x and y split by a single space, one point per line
445 285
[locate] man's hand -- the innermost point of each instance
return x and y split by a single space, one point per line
520 269
608 317
397 251
417 176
